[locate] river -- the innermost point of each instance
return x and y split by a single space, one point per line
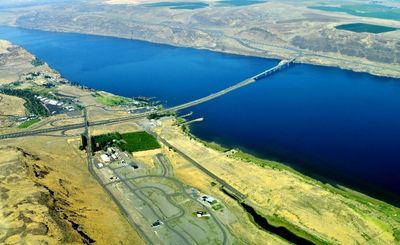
337 125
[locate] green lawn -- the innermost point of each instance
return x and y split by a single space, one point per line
111 100
28 123
217 206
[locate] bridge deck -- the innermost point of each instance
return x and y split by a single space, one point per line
281 65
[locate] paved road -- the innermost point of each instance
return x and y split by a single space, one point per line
92 172
137 185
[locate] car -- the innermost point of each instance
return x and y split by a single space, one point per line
157 223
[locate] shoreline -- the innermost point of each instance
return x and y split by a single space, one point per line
322 181
310 55
357 201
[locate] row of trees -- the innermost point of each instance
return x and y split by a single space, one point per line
32 104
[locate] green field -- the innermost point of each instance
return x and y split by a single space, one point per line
131 142
139 141
111 100
362 27
28 123
364 10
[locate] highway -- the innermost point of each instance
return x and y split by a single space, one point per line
283 64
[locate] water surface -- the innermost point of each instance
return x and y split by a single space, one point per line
341 125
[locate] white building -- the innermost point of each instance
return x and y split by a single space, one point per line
105 158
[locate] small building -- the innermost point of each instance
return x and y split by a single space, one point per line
200 214
105 158
52 102
207 199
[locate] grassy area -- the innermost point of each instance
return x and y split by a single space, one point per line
239 155
139 141
217 206
28 123
39 90
362 27
111 100
131 142
375 204
380 212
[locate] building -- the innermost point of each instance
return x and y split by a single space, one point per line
105 158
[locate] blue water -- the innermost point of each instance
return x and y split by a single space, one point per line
337 124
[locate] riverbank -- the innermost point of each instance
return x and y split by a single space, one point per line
271 29
287 202
243 155
268 51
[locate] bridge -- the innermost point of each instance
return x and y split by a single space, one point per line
282 65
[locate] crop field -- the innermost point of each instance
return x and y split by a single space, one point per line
362 27
131 142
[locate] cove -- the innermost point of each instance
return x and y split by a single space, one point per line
337 125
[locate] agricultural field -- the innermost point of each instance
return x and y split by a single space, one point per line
362 27
131 142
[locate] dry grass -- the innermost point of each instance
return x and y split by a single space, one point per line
236 218
11 105
52 187
290 197
13 62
